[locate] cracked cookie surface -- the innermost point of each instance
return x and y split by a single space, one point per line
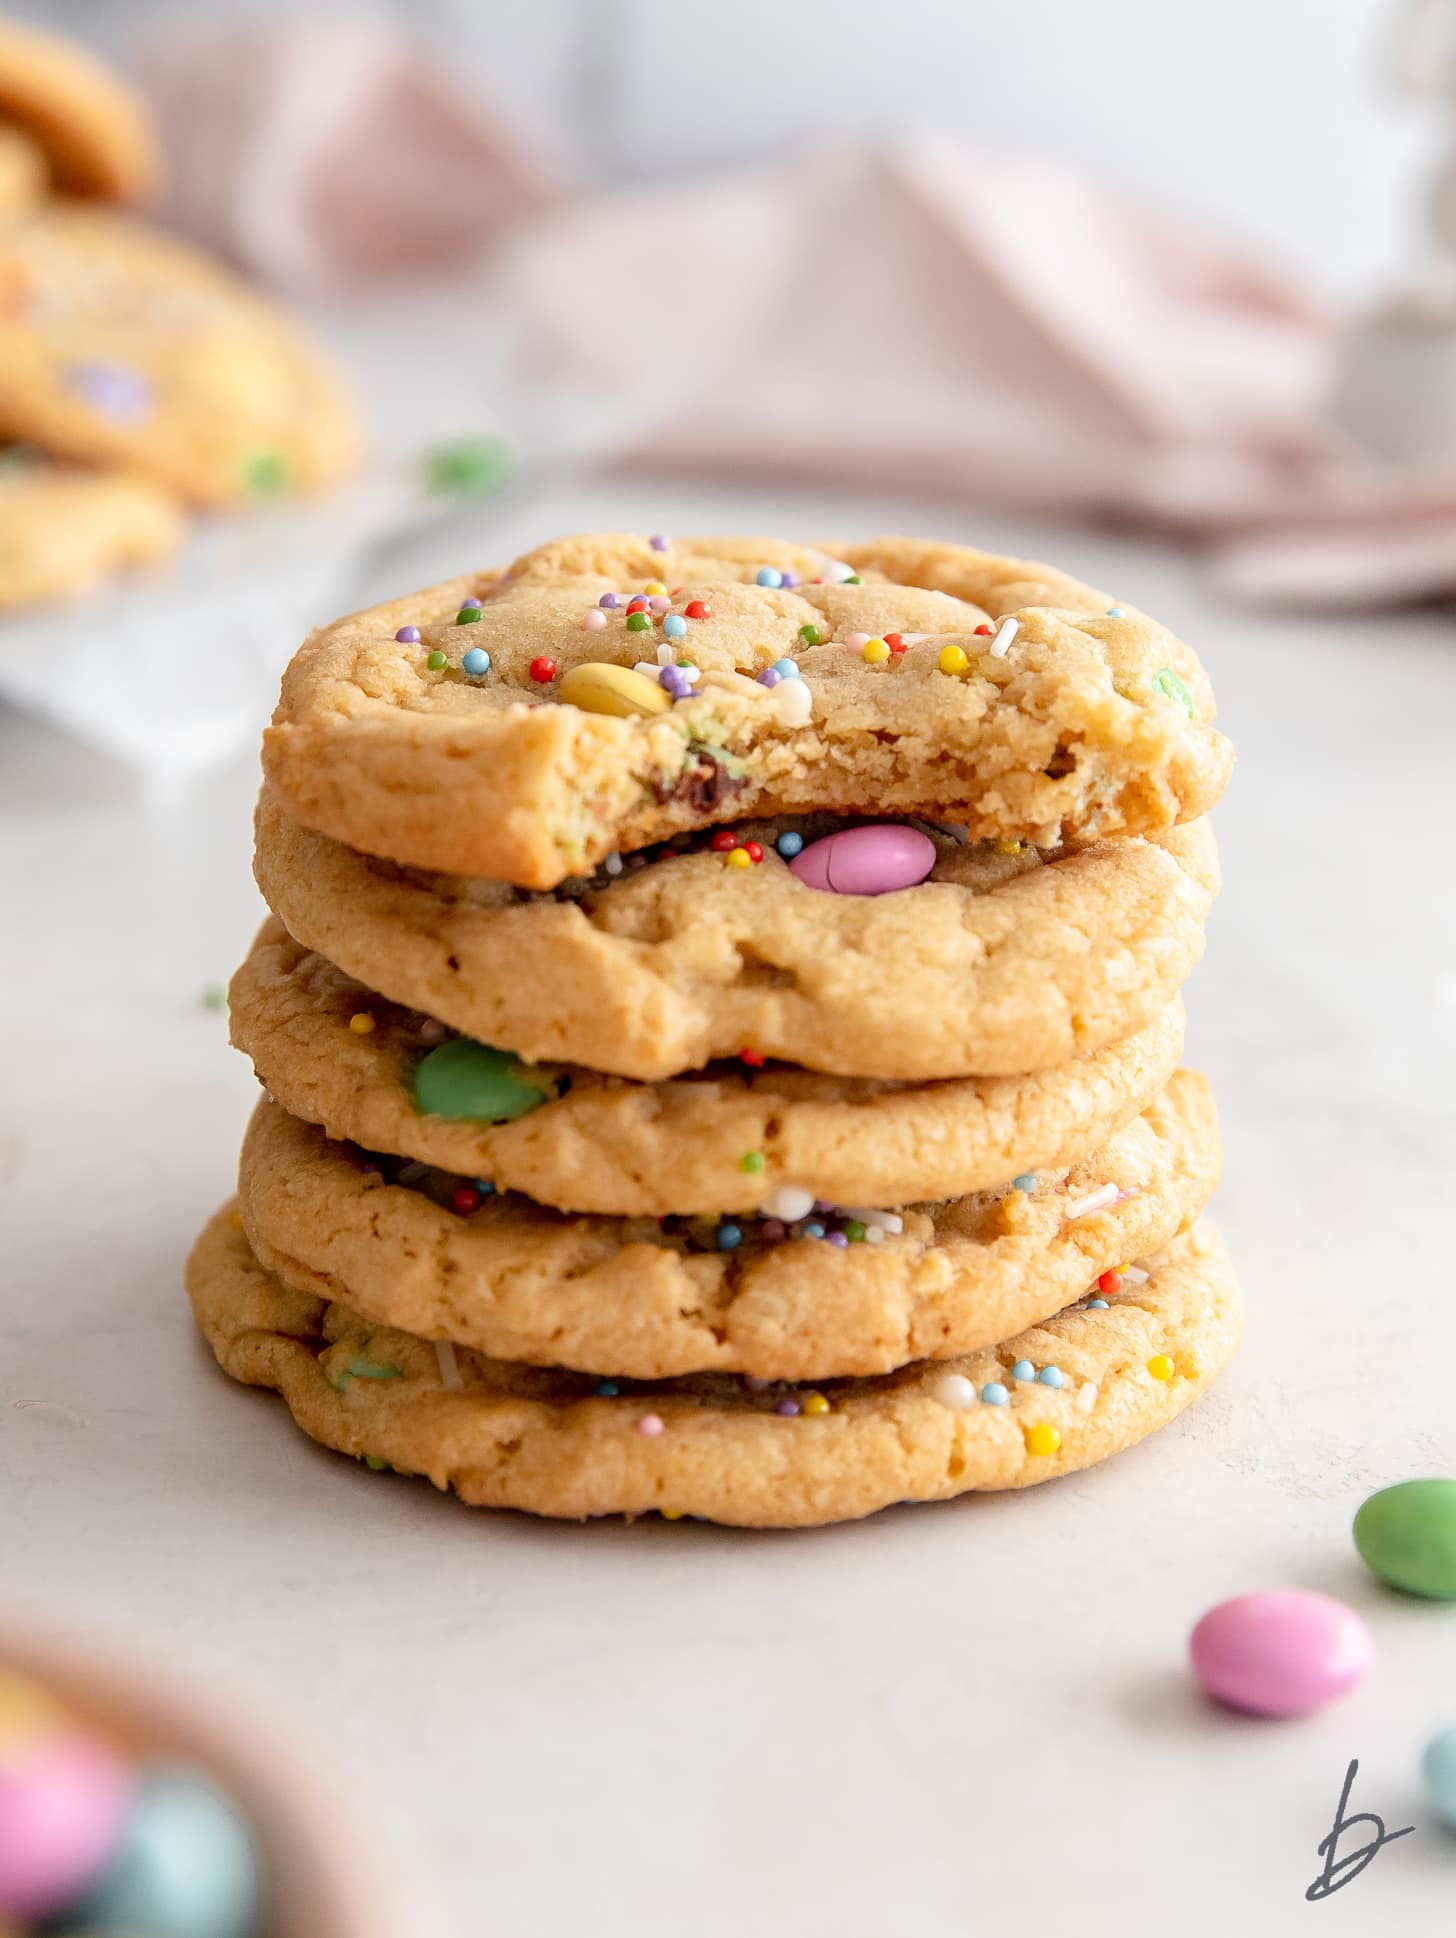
1093 721
647 1298
995 965
503 1435
718 1140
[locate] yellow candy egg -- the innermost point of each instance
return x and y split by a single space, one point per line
596 687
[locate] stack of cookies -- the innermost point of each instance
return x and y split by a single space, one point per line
138 377
720 1031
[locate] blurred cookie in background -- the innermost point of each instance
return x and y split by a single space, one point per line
122 345
93 130
64 529
24 177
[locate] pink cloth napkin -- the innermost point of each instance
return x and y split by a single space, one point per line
325 152
997 328
993 328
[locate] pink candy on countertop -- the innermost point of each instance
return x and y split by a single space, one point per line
1283 1652
63 1807
872 860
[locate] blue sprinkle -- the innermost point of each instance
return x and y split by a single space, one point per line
1117 612
789 845
995 1394
787 669
607 1389
1023 1369
730 1237
812 1230
476 661
484 1186
769 577
674 626
1026 1182
1052 1376
1097 1305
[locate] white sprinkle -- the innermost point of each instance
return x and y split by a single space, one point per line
890 1221
793 702
613 864
1087 1396
1098 1200
666 653
873 1235
955 1391
1134 1275
648 668
449 1372
789 1204
1005 633
836 571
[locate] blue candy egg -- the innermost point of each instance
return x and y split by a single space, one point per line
1438 1767
186 1867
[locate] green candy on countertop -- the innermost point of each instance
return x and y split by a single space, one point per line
468 467
466 1079
1407 1535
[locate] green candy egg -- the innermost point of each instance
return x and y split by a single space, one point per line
465 1079
1407 1535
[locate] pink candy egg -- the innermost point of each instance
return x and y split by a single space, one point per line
1285 1652
871 860
62 1812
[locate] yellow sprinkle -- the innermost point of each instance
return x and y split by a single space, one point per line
653 587
953 659
1043 1438
361 1023
1160 1366
875 651
738 858
671 1513
1007 847
816 1403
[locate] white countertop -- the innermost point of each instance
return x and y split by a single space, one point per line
941 1721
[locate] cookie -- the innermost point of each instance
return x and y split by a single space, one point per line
804 1300
92 128
23 178
552 1443
64 530
996 964
721 1140
121 345
501 725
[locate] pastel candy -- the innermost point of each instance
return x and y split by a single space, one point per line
464 1079
1407 1535
1438 1767
597 687
62 1810
1284 1652
186 1867
872 860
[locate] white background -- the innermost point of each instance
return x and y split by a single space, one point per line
1268 115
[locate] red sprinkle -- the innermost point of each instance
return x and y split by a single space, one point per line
755 1059
983 632
1110 1282
753 850
723 841
895 643
465 1199
697 609
543 670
